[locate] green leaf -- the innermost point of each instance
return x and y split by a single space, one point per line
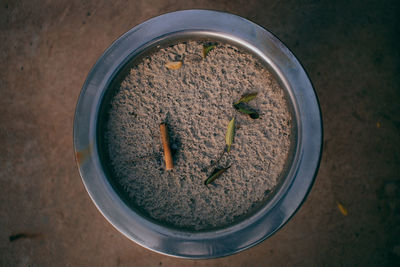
246 110
207 49
215 174
230 133
246 98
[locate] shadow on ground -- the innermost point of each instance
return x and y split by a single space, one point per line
350 50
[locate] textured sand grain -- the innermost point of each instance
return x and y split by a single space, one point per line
196 102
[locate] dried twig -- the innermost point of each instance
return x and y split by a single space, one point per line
169 163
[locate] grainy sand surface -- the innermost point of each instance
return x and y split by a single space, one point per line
196 102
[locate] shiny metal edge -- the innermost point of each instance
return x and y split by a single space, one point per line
248 232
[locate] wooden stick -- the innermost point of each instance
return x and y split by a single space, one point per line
169 163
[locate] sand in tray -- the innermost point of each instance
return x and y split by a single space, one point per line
196 102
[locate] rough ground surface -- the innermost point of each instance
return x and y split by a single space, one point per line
350 51
196 102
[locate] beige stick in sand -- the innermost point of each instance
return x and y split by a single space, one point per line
169 164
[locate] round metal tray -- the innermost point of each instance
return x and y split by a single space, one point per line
184 25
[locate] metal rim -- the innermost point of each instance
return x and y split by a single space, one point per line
248 232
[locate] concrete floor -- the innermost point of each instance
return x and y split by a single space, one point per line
350 50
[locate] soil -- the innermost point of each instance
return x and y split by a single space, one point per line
195 101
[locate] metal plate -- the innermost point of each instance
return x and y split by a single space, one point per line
300 175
